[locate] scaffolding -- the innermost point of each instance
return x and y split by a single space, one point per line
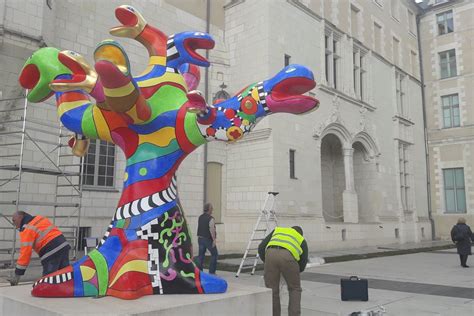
50 156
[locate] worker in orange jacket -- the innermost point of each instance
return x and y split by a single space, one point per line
39 234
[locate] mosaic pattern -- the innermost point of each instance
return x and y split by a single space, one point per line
157 119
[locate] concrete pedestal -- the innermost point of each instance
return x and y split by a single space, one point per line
238 300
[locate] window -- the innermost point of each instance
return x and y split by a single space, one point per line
287 60
354 21
451 116
414 63
359 72
454 191
396 51
99 164
445 22
447 64
395 9
332 58
377 38
411 22
292 164
404 175
400 92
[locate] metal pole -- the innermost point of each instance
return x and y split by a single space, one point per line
206 93
425 131
20 166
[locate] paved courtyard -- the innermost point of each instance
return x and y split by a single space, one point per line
426 283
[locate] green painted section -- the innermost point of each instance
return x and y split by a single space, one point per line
102 271
167 98
143 171
187 275
192 130
88 126
149 151
49 67
90 290
248 117
120 223
247 90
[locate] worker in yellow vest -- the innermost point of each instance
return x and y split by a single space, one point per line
284 252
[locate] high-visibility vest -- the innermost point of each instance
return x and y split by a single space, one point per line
289 239
35 235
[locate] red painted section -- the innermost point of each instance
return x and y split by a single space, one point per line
155 38
65 289
181 137
148 187
120 234
197 277
29 76
125 139
110 76
126 17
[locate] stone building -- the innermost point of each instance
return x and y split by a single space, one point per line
352 173
446 29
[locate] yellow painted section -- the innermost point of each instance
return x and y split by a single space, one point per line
134 265
67 106
133 115
160 138
167 77
87 273
121 91
157 60
255 94
101 125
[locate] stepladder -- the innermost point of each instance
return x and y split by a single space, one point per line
266 222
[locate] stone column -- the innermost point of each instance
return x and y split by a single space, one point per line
349 196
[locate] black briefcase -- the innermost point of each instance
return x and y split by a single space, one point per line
354 289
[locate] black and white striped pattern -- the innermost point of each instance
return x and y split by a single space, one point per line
106 235
261 96
147 203
150 232
60 278
171 51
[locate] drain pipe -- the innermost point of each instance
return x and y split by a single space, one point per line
425 129
206 94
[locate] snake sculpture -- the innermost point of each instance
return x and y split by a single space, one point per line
157 119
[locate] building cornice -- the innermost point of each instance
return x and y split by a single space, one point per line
233 3
346 97
305 9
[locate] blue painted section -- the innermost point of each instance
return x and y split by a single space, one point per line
184 56
212 284
156 168
156 71
131 234
111 250
73 119
77 277
290 71
166 119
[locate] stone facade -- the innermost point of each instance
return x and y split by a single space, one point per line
349 188
451 144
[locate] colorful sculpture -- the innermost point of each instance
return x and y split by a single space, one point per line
157 120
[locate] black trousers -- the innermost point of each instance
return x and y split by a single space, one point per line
463 259
56 261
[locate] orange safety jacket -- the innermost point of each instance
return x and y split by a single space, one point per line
36 235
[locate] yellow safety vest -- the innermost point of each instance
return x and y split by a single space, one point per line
289 239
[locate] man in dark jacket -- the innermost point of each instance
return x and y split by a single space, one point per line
284 252
461 235
39 234
207 238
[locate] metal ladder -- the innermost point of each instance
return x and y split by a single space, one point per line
266 222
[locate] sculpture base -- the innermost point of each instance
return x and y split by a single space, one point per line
247 300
